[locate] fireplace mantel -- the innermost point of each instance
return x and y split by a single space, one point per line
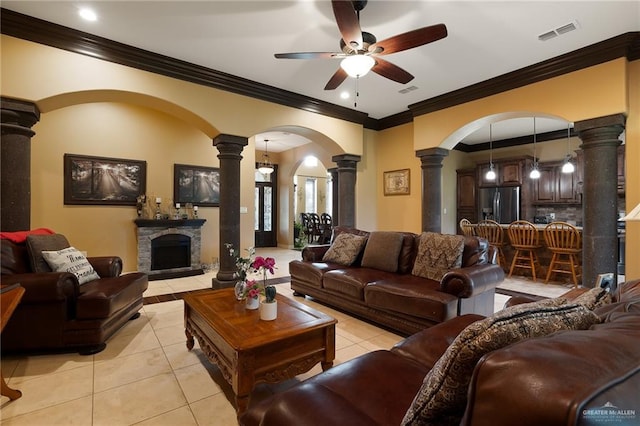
149 230
168 223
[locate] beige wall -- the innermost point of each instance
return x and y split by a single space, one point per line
78 85
140 134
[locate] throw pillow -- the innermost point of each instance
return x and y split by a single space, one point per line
345 249
437 254
443 395
594 298
36 244
71 260
382 251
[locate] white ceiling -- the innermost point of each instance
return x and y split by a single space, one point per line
486 39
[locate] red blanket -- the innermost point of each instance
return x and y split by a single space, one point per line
21 236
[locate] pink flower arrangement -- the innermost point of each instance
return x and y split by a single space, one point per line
245 265
264 263
252 289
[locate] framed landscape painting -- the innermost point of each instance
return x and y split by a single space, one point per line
103 181
197 185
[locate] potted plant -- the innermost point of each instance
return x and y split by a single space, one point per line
269 306
298 235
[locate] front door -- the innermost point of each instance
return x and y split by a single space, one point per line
266 208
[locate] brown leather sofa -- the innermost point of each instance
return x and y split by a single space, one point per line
577 377
56 313
399 300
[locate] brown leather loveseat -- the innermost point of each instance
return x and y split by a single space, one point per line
56 312
387 291
580 374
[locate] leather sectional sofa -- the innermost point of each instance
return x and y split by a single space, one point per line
588 376
396 298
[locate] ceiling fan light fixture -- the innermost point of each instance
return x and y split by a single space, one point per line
357 65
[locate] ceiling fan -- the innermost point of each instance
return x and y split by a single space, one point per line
361 51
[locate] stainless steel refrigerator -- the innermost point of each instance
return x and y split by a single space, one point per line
501 204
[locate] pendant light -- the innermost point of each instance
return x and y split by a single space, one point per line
265 167
491 174
535 173
568 166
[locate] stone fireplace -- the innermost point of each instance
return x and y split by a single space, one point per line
169 248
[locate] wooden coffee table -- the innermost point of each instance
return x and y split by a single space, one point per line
248 350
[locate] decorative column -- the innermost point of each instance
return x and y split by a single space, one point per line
335 200
599 196
229 147
15 168
431 159
347 167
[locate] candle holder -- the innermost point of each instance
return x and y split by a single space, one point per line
176 216
195 212
158 214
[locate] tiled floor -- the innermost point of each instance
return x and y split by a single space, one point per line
146 376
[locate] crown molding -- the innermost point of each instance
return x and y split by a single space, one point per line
625 45
39 31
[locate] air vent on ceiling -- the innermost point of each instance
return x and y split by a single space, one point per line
563 29
408 89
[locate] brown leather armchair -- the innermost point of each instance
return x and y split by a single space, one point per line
57 313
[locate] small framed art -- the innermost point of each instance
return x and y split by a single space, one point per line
397 182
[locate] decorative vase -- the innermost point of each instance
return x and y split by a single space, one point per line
252 302
239 290
269 310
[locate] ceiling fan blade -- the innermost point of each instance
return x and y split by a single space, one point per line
391 71
307 55
348 24
336 80
409 40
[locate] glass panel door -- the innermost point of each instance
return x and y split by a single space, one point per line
265 209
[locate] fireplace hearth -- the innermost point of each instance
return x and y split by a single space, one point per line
169 248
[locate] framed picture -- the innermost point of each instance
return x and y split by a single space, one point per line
106 181
196 185
397 182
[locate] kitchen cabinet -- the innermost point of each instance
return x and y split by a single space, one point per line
466 195
509 172
555 187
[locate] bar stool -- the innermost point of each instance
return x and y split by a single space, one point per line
492 232
565 243
524 239
467 227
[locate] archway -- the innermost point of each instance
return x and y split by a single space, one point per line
290 164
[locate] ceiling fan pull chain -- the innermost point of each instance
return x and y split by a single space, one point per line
355 100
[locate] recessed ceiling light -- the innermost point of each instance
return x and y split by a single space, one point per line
344 95
88 14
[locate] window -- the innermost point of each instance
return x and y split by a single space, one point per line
310 190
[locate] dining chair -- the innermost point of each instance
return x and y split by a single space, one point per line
524 238
565 243
492 232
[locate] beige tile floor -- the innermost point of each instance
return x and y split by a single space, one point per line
146 376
